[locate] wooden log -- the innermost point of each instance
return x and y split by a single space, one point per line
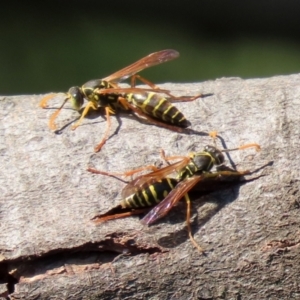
50 248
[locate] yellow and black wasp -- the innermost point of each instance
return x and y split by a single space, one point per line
163 192
146 102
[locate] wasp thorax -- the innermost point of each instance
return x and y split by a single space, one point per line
216 154
76 97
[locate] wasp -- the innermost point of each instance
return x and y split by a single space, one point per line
163 192
144 102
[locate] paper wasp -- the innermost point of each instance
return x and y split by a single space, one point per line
145 102
163 192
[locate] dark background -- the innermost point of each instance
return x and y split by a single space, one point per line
52 45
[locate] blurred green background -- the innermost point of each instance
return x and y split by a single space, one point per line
51 45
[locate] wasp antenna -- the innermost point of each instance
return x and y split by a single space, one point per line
213 135
228 150
55 114
254 145
43 103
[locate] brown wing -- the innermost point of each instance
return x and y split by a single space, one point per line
173 197
149 178
119 90
145 62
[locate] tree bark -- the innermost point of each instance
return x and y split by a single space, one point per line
50 248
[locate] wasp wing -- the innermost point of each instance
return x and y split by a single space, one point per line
173 197
147 179
145 62
119 90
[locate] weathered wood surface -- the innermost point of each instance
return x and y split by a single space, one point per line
49 248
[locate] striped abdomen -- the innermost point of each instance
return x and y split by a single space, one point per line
158 107
150 195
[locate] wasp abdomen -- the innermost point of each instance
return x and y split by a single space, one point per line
158 107
151 194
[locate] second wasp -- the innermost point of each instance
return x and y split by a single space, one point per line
158 191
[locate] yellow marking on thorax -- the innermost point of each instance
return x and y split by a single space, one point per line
212 160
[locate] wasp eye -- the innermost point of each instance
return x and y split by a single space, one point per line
76 97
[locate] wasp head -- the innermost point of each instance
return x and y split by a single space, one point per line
76 97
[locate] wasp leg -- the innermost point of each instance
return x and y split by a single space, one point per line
89 105
188 201
128 106
155 87
43 104
226 173
126 173
44 101
168 158
54 116
188 218
254 145
108 110
143 80
98 220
